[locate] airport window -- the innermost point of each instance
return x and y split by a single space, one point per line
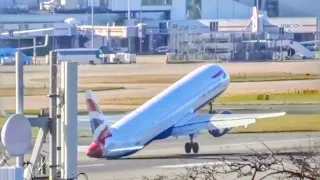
214 26
156 2
193 9
163 27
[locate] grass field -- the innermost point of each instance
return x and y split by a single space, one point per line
80 111
156 79
35 91
287 123
230 100
281 98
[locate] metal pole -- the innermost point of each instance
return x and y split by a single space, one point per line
34 50
53 39
258 22
92 28
108 35
129 13
232 9
215 37
19 96
59 129
71 120
217 9
62 122
281 46
19 37
53 116
140 19
129 17
140 44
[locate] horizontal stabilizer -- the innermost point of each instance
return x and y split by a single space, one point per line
134 148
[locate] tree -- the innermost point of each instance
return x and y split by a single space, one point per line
302 163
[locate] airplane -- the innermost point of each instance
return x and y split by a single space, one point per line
171 113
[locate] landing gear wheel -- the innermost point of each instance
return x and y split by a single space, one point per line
187 148
195 147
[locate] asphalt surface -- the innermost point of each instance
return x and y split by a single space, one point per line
167 156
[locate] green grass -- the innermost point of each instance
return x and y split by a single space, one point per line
287 123
35 91
80 111
272 77
26 111
34 130
246 99
280 98
124 101
171 78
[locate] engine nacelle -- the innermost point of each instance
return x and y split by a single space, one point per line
291 52
220 132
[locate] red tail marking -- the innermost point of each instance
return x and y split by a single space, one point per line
91 105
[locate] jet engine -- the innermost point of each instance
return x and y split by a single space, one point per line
220 132
291 52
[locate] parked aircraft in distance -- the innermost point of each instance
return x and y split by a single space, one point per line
171 113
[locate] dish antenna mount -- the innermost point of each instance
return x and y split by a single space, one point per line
16 135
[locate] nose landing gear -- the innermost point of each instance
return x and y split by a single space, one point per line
194 146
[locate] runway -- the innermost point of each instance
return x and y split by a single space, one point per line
168 156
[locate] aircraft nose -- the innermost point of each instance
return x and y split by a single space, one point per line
95 150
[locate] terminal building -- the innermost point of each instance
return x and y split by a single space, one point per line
174 23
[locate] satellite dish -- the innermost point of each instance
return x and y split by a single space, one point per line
16 135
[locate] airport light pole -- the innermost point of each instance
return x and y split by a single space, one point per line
129 17
217 9
140 19
92 28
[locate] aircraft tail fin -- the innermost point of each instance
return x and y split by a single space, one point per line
92 103
95 114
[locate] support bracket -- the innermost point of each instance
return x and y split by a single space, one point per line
43 124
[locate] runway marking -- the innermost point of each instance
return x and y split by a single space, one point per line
83 148
257 142
249 143
190 165
91 165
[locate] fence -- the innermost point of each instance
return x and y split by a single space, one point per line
232 46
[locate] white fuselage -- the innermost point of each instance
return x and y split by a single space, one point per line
153 120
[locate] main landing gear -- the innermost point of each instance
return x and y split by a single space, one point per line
211 111
191 145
